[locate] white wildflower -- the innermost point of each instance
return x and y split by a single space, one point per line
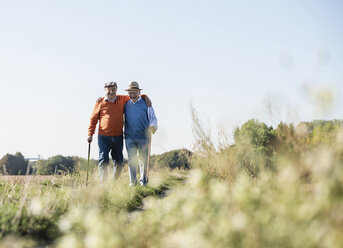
238 221
35 207
64 225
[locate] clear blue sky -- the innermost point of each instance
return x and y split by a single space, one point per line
229 58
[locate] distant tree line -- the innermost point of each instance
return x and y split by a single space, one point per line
17 165
256 146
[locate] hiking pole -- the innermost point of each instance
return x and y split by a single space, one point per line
89 151
148 163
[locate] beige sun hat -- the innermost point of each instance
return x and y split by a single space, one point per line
133 86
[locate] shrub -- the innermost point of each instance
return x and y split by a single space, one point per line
13 164
55 165
179 159
254 146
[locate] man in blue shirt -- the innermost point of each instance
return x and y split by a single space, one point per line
140 120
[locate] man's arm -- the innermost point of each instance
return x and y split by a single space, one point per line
99 99
145 98
125 97
152 120
93 121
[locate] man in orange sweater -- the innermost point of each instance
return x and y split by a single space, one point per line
109 112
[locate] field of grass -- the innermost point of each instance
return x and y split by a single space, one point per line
282 208
45 210
272 188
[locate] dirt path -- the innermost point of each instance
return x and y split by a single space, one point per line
162 196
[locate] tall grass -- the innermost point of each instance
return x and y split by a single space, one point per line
43 211
288 203
285 198
255 193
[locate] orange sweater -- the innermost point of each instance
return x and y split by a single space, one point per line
110 116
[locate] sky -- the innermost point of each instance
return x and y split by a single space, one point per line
231 60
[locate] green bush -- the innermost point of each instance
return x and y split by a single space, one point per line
55 165
13 164
254 146
179 159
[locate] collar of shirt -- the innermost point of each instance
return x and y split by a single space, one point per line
137 100
106 99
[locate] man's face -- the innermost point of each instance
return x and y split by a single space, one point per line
111 92
134 94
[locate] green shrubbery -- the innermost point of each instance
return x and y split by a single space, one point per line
254 147
180 159
55 165
62 165
14 165
258 147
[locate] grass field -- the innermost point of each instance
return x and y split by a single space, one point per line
37 210
284 193
276 209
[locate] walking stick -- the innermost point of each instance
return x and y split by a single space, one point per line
89 151
149 151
